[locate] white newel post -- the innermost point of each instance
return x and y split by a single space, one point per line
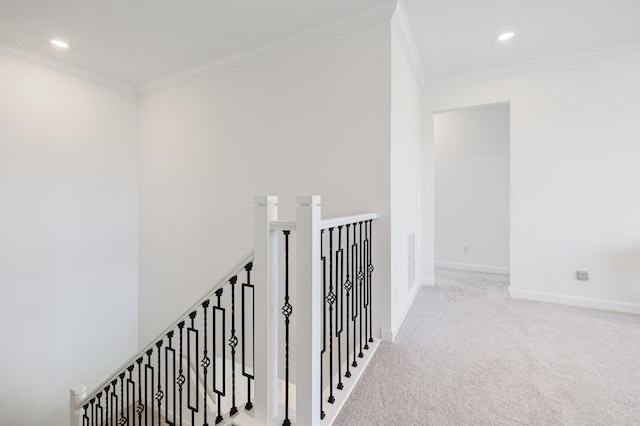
265 267
307 311
76 394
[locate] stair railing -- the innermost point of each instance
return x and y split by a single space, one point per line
172 379
290 358
332 309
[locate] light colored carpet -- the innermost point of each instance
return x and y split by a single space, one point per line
469 355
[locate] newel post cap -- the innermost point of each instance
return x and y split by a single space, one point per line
265 200
78 390
309 200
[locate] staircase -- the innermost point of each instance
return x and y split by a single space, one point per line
282 339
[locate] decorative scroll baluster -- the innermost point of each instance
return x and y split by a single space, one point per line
159 394
354 300
85 416
324 322
331 298
340 304
367 289
206 361
149 375
141 404
233 342
347 286
192 331
123 419
361 284
99 409
287 310
246 287
114 403
106 405
370 269
93 411
181 378
131 396
218 311
170 381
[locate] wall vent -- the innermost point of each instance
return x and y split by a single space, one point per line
411 260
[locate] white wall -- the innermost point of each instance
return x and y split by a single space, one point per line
68 238
472 188
574 175
405 158
312 120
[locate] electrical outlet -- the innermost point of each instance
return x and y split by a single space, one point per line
582 275
465 249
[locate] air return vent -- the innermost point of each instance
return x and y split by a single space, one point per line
411 260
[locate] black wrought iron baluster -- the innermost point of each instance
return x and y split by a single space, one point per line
233 342
324 322
107 417
354 299
366 285
85 416
347 286
141 403
170 366
93 411
114 403
192 331
206 361
370 269
219 312
181 378
361 284
287 310
131 395
123 419
99 409
149 376
159 394
245 288
340 304
331 298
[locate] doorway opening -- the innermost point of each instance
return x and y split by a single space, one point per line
472 197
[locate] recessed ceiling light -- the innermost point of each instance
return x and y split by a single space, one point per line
59 43
505 36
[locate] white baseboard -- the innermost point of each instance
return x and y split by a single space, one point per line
585 302
471 267
429 281
388 335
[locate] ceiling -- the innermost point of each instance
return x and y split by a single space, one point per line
460 36
140 41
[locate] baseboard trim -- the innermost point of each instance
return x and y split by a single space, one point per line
473 268
389 335
429 281
584 302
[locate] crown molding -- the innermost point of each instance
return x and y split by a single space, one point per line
403 29
62 67
572 58
374 15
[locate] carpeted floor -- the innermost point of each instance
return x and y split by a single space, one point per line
469 355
